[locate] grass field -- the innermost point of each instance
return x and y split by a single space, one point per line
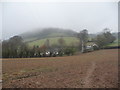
98 69
115 43
54 40
30 39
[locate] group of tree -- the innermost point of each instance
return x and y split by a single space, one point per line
15 47
104 38
100 41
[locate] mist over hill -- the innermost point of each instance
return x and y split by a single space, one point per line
53 32
47 33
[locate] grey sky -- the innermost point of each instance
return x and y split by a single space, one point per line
21 17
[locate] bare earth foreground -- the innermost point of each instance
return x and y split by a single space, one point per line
98 69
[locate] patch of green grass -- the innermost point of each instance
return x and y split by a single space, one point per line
115 43
30 39
54 40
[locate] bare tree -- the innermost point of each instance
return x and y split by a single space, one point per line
83 36
104 38
61 41
47 44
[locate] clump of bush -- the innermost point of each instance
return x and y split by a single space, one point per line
70 51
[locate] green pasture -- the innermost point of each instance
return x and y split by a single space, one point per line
68 41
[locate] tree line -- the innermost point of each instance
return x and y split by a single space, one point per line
15 47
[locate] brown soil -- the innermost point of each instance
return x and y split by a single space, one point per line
98 69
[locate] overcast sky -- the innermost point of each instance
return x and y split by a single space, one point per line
21 17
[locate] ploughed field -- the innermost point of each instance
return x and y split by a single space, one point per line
98 69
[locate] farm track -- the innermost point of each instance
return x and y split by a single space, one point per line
98 69
89 74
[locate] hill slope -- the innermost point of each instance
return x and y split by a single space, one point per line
39 37
54 40
47 33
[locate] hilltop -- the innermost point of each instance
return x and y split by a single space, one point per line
47 33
